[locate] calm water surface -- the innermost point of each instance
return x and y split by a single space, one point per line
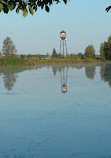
37 120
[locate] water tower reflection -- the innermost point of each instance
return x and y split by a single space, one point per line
64 76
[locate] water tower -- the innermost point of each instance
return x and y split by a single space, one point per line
63 45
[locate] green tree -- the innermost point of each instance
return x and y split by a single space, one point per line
54 53
26 5
47 56
0 54
109 39
102 52
81 56
90 52
60 56
107 48
67 56
22 56
9 48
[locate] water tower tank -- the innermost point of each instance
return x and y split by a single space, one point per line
63 35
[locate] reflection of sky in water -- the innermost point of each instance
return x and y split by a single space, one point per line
38 121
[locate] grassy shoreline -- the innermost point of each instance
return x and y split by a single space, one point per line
28 62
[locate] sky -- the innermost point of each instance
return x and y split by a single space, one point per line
85 22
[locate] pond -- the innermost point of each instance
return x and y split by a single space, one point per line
55 111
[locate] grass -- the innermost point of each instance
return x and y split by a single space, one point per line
14 62
27 62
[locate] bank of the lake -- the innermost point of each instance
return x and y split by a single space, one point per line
28 62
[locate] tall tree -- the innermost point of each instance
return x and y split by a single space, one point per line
54 53
107 48
0 54
27 5
102 52
9 48
90 52
109 39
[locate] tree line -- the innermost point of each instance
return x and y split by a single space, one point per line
105 52
10 75
9 50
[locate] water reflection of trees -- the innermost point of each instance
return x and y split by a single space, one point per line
59 67
90 71
105 72
10 75
9 80
54 70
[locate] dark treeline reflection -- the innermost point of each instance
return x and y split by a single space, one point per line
105 72
9 80
90 72
10 73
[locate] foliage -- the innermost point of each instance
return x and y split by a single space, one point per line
109 39
60 56
26 6
57 55
90 52
54 53
67 56
81 56
105 49
33 59
108 8
0 54
102 52
30 6
9 48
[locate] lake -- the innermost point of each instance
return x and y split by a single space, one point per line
55 111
